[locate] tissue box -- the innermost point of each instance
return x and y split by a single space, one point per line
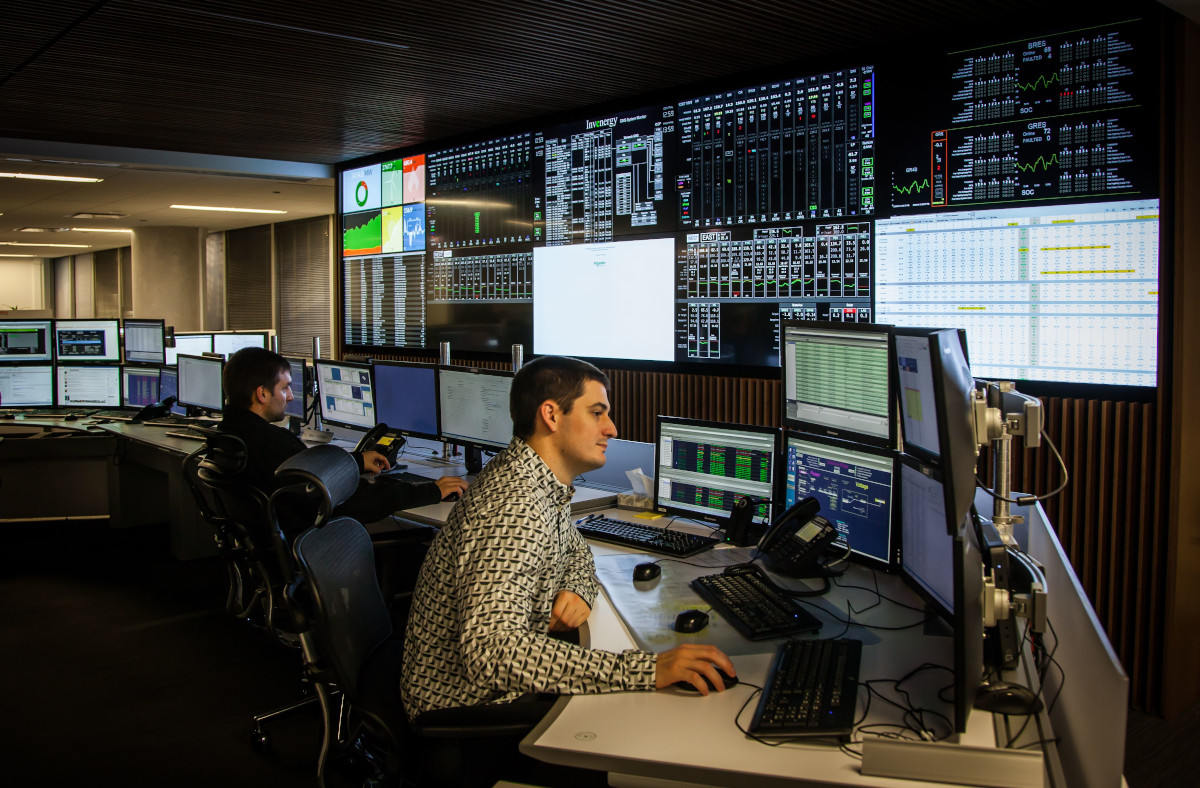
635 502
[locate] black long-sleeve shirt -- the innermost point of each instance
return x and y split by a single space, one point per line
267 446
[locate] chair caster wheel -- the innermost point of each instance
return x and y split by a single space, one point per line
260 741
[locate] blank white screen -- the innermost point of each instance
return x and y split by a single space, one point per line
605 300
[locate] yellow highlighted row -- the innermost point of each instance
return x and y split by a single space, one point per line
1072 248
1114 271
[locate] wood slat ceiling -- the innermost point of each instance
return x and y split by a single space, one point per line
325 82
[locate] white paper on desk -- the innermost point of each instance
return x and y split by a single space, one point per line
640 482
649 609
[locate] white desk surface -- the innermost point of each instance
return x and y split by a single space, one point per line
684 737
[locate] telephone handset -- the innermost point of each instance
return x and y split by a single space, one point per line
155 410
384 440
792 546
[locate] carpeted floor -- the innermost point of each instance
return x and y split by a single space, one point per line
121 668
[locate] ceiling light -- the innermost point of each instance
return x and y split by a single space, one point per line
30 177
99 230
96 215
39 229
61 246
231 210
6 254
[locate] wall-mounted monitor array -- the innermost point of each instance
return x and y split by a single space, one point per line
1008 188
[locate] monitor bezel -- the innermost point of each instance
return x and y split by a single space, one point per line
162 326
926 456
265 335
812 428
126 368
777 479
893 560
53 386
919 466
437 402
359 365
305 383
98 322
59 368
179 389
51 342
954 452
468 442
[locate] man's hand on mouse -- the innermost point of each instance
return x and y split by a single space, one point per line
569 612
374 462
691 662
449 485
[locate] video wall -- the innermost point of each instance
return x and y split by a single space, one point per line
1009 189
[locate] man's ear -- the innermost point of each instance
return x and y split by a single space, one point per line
548 414
262 395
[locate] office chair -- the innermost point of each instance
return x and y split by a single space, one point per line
237 513
348 641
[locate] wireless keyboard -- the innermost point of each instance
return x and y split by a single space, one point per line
811 690
655 540
755 606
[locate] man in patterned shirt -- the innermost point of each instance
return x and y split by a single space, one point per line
509 568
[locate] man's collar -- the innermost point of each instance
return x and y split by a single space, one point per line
562 493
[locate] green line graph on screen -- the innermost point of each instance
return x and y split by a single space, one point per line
362 233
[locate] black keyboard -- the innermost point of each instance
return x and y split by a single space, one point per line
404 477
812 689
759 609
176 420
189 434
58 412
645 537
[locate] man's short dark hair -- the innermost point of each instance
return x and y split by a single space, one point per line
557 378
248 369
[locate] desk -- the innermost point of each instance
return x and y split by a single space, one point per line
643 739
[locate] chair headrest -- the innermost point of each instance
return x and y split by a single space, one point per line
225 453
329 469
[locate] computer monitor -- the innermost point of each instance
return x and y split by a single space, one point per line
88 386
26 340
228 344
406 397
473 407
168 386
26 386
200 382
87 340
854 485
704 467
837 380
298 407
190 344
947 571
139 386
145 341
953 386
346 394
918 403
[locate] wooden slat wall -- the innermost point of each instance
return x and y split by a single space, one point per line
1104 518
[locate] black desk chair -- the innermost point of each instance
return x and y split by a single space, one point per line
237 513
348 642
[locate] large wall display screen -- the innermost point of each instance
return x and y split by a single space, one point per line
1008 187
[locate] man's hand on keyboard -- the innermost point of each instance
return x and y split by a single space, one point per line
691 662
451 485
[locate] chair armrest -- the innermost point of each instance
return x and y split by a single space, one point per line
488 720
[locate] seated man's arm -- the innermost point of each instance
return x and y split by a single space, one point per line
505 644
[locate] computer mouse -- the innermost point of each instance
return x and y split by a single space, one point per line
1004 698
726 679
647 571
691 621
70 417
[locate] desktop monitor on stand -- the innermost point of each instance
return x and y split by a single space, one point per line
346 394
26 340
719 473
200 383
406 396
145 341
473 411
26 386
81 341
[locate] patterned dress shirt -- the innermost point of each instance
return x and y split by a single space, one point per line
478 628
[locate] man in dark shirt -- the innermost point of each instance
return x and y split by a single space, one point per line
257 385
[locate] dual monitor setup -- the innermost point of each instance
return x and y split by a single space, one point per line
878 429
104 364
